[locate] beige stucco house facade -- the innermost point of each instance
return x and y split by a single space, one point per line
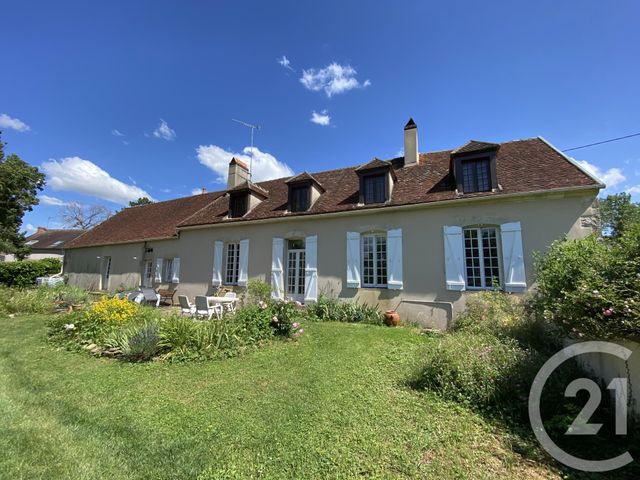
416 233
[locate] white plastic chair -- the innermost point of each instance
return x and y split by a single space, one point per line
230 306
185 306
136 297
151 296
204 310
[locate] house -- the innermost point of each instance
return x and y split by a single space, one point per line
47 243
414 233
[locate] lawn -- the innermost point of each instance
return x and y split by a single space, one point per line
332 405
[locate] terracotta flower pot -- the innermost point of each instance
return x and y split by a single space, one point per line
391 318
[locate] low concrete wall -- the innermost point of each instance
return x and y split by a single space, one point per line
607 367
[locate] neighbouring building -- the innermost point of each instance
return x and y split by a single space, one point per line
414 233
46 243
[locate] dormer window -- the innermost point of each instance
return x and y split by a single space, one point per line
476 175
299 198
238 205
245 197
376 181
474 167
374 188
304 190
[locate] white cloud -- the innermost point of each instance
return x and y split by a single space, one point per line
29 229
13 123
75 174
47 200
333 79
285 62
117 133
265 165
611 177
635 190
164 131
321 118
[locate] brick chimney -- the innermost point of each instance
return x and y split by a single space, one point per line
410 143
238 173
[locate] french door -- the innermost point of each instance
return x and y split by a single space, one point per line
295 270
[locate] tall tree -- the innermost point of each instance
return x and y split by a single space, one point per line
618 212
140 201
84 217
19 186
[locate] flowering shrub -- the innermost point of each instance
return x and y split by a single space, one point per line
113 311
285 319
591 287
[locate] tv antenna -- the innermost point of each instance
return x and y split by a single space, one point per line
252 127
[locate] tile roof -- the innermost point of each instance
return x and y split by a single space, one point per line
46 238
156 220
373 164
474 146
522 166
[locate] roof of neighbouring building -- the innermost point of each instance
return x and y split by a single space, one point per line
523 166
52 239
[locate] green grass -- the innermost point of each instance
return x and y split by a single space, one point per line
332 405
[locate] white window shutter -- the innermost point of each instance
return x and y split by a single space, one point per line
394 259
243 272
353 260
515 279
454 258
277 272
218 248
158 276
175 270
311 268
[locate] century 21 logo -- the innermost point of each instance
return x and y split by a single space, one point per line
581 425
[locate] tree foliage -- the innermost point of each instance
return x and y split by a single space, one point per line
84 217
140 201
19 186
24 274
617 213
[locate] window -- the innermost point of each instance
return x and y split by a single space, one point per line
374 188
476 175
168 266
374 260
238 205
231 264
299 198
295 267
32 242
55 244
147 279
481 257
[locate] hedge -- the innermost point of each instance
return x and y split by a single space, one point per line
24 273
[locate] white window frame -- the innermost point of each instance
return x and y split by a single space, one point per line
483 279
235 263
377 237
167 268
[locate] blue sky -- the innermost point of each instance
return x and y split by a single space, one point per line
116 99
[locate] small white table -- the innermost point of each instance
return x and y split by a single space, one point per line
227 302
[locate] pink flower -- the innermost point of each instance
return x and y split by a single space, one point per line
608 312
262 305
300 331
295 325
298 304
274 319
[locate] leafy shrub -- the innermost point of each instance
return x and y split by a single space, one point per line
254 322
137 343
24 273
39 300
473 368
591 287
258 291
335 310
286 318
504 316
113 310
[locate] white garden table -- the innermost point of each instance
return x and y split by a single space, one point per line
228 303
